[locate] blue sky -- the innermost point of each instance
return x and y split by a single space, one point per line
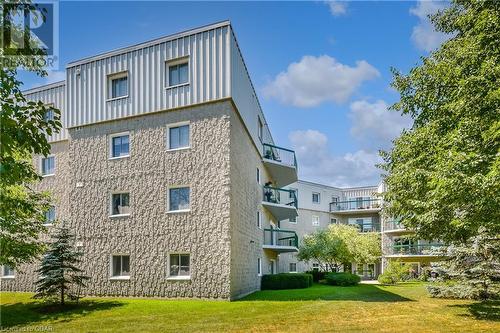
321 69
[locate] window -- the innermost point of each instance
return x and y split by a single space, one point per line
7 272
292 219
178 137
118 86
259 220
48 166
120 145
179 265
335 200
315 197
333 221
50 215
178 199
315 267
260 128
120 266
293 193
259 266
178 74
258 176
293 267
49 114
120 204
315 220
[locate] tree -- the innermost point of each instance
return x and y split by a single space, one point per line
59 274
443 174
339 244
470 270
395 272
23 130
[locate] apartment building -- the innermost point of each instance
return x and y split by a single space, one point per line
166 171
321 205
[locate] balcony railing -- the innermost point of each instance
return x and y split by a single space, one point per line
279 237
279 154
415 249
279 196
354 205
393 225
368 227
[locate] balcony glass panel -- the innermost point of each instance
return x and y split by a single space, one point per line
280 155
355 204
280 237
279 196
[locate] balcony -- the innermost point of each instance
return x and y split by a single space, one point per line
395 227
409 250
281 203
280 241
355 206
280 163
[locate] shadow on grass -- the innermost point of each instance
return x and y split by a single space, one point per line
15 314
362 293
486 310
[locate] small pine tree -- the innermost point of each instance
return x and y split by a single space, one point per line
59 274
470 270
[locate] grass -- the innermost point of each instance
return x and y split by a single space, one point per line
401 308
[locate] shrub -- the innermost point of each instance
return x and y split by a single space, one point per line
286 281
394 273
342 279
317 275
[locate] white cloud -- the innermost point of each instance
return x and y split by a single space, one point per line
374 125
317 163
314 80
424 36
337 8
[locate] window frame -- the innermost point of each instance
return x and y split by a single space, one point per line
169 210
42 158
259 266
10 276
178 277
119 277
116 76
260 129
111 215
259 219
319 198
258 175
49 224
176 62
175 125
50 107
110 145
312 220
293 222
290 267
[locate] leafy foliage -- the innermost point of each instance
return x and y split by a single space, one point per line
339 244
444 173
395 272
342 279
23 130
286 281
59 274
471 270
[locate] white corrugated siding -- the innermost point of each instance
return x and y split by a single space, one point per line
51 94
209 78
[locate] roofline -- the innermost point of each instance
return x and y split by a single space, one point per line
149 43
337 188
44 87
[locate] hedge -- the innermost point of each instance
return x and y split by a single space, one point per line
286 281
342 279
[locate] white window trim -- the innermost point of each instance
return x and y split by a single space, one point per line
259 219
168 200
319 198
312 220
295 271
8 277
55 218
119 277
178 277
110 145
178 124
109 79
41 165
111 215
259 266
173 62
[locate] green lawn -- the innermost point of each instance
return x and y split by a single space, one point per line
403 308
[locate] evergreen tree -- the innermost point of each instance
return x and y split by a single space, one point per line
471 270
59 274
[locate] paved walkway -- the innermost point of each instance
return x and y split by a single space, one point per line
369 282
